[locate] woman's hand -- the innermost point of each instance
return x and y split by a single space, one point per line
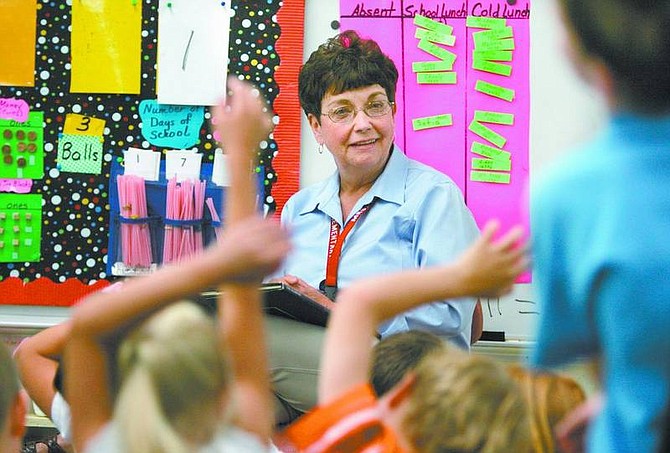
488 268
304 288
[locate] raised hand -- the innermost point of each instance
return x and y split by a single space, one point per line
489 267
243 120
254 246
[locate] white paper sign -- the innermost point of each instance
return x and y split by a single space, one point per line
192 51
183 164
142 162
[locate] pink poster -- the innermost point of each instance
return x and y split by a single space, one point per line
463 95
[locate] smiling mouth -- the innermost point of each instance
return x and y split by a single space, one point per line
365 143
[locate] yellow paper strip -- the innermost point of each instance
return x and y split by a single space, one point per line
436 51
76 124
487 134
484 116
485 22
436 78
106 46
18 24
430 122
491 164
496 44
494 90
492 55
490 176
433 36
432 66
433 25
490 152
492 67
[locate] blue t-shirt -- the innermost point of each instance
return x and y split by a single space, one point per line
601 244
418 219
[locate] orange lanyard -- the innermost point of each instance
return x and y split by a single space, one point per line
335 242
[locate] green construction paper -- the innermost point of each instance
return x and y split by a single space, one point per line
433 36
494 90
492 67
432 66
433 25
436 78
491 164
485 22
492 35
490 152
498 44
22 147
430 122
436 51
487 134
492 55
494 117
80 153
20 227
490 176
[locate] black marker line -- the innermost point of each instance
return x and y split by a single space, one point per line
529 312
498 305
523 301
183 61
488 304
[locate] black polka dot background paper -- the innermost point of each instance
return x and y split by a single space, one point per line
76 206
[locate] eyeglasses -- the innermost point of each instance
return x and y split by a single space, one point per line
347 113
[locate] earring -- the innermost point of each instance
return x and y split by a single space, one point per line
320 148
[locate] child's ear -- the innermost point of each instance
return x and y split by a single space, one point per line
17 416
401 390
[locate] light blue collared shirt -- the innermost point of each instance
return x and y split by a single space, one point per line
419 219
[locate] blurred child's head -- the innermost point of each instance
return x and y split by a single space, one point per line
550 397
12 405
397 354
174 377
459 403
632 39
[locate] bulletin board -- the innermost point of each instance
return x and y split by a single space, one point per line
463 100
61 214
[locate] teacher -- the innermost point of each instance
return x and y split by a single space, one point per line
380 211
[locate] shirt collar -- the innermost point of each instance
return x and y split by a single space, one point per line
389 187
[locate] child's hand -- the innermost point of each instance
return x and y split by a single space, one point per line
490 267
241 123
254 246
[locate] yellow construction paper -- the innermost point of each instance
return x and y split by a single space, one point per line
106 46
18 23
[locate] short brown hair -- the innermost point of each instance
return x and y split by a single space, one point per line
463 403
344 62
632 38
397 354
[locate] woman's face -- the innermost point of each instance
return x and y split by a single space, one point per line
360 145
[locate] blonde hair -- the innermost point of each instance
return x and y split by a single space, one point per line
173 376
550 397
461 403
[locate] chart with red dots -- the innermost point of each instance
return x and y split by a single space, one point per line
66 170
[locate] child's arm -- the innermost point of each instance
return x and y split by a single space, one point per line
486 268
37 360
104 317
242 125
